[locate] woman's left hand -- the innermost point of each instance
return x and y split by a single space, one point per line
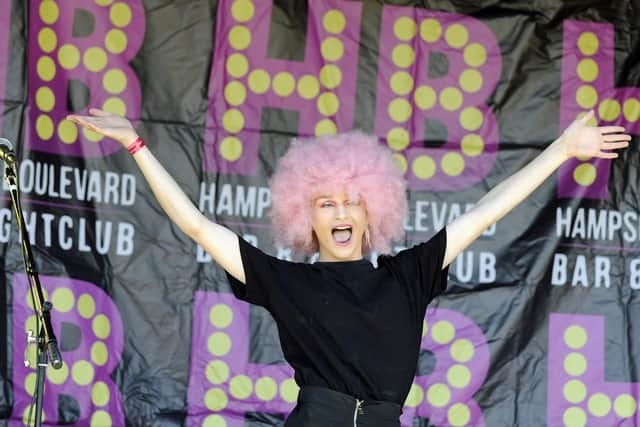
583 140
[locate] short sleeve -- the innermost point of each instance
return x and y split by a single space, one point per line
421 267
260 271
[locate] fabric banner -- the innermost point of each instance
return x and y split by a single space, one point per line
538 324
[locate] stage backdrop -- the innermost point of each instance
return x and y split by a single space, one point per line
540 323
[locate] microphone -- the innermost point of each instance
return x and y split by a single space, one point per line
6 152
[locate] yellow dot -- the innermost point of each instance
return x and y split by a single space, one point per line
459 415
220 315
401 83
44 127
100 394
115 106
585 174
609 110
103 2
400 110
574 417
67 132
219 344
430 30
400 161
82 372
591 122
101 326
91 135
240 387
259 81
575 337
242 10
101 418
415 396
49 12
99 353
235 93
116 41
63 299
68 57
325 127
588 43
452 164
587 70
114 81
599 404
30 324
45 294
217 372
308 86
328 104
425 327
334 21
423 167
471 118
586 96
470 80
574 391
403 55
283 84
450 98
472 145
398 138
237 65
86 306
231 148
46 68
625 406
475 55
27 416
575 364
266 388
289 390
233 121
443 332
631 109
120 14
424 97
330 76
459 376
456 35
30 383
438 395
47 40
331 49
58 376
404 28
45 99
216 399
214 421
240 37
95 59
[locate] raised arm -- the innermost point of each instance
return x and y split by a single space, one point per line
219 242
578 139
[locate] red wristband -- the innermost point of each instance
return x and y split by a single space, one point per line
135 146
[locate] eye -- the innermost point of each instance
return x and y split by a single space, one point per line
353 202
326 204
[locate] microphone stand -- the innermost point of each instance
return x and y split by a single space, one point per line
45 341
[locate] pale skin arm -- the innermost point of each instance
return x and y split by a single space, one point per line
218 241
577 140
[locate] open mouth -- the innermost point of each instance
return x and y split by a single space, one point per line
342 234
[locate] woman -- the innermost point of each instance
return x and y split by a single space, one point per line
350 331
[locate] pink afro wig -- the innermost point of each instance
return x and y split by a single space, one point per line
353 163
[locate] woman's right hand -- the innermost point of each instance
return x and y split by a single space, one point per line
110 125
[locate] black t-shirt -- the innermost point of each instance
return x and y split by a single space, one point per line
349 326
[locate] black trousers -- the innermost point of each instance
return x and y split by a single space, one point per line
321 407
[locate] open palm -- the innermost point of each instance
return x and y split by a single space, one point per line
588 141
107 124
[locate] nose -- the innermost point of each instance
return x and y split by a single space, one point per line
340 210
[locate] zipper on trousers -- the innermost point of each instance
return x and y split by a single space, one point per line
357 411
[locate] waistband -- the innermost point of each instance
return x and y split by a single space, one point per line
347 402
